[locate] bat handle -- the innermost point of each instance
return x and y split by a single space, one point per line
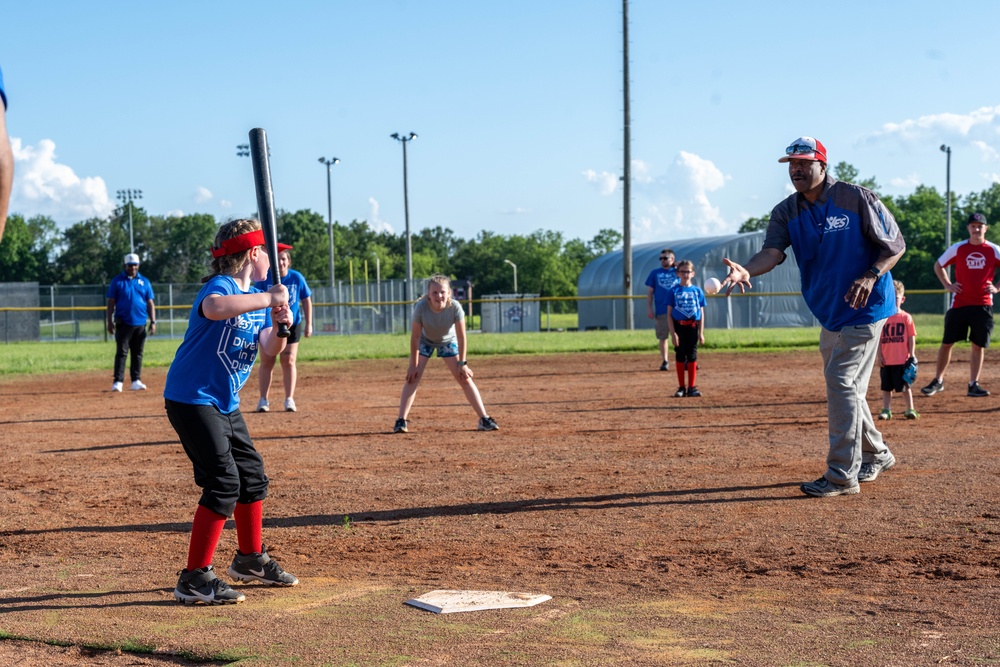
283 331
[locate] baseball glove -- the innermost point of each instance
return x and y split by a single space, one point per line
910 371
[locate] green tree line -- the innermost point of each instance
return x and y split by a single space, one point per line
922 218
176 249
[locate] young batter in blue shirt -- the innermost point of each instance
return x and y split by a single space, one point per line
230 320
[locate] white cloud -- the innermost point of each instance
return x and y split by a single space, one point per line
375 221
674 205
606 182
989 153
906 183
517 210
979 128
42 186
174 213
225 203
678 204
640 172
202 194
991 178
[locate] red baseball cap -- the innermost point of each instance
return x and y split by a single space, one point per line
805 148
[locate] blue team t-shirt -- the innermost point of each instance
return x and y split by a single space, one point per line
298 289
687 302
662 281
215 358
130 298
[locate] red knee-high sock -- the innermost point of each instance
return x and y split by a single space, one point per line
249 519
692 372
679 367
205 533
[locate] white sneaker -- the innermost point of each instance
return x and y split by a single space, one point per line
262 405
137 385
117 386
289 405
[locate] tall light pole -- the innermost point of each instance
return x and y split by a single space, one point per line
507 261
627 183
329 213
126 197
406 213
947 225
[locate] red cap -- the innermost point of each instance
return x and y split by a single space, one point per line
805 148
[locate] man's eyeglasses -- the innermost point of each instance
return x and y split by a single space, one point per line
800 149
664 258
685 271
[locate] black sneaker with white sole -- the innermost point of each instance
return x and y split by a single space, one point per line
201 586
487 424
401 426
260 567
976 391
934 387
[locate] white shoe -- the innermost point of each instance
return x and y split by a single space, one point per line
289 405
137 385
117 386
262 405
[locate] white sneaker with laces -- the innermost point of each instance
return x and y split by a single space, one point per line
137 385
117 386
262 405
289 405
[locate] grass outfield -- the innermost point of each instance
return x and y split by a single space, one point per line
58 357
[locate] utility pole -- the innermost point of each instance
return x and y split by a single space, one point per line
627 184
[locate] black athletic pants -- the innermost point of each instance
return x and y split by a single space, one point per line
227 467
128 337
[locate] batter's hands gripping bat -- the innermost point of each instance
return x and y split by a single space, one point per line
265 206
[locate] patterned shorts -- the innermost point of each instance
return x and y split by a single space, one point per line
443 349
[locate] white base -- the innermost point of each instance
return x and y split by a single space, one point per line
449 602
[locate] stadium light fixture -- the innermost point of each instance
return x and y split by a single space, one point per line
126 197
406 212
947 224
507 261
329 162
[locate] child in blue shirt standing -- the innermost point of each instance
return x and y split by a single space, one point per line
230 319
686 319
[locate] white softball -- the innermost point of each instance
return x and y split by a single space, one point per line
712 285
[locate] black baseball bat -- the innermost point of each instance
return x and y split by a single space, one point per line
265 206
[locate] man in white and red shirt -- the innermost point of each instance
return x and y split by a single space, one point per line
971 314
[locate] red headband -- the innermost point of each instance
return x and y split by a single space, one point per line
240 243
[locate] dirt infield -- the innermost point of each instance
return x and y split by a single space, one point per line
668 531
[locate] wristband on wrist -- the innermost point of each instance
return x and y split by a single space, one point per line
463 363
874 271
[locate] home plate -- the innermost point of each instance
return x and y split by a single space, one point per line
449 602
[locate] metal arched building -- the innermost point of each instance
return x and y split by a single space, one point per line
603 277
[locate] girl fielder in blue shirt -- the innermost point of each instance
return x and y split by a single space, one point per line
686 319
230 319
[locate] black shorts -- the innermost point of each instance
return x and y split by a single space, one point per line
974 323
227 467
892 378
294 334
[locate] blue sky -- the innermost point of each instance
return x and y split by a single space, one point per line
517 104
